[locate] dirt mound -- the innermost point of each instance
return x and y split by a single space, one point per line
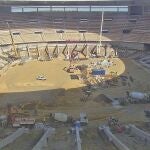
102 98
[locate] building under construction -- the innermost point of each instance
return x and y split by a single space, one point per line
74 74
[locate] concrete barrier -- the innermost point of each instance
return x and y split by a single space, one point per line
113 138
11 138
139 133
78 139
44 139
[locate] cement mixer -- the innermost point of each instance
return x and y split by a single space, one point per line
136 97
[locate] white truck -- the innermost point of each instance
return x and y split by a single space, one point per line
137 97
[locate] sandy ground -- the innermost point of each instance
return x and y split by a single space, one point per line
19 83
60 93
22 78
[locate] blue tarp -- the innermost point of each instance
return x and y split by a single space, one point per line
98 72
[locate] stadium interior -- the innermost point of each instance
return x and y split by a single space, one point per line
65 63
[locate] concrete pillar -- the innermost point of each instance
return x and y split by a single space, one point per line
116 53
87 52
43 141
139 133
113 138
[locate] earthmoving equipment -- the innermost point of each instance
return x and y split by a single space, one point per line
71 69
115 125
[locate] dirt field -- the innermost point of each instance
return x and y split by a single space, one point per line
22 78
19 83
60 93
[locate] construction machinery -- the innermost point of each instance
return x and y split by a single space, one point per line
41 77
138 97
115 125
17 118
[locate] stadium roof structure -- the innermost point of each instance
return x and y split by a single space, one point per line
74 2
135 1
61 2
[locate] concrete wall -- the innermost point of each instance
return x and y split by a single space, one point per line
113 138
5 9
43 141
147 47
139 133
136 10
12 137
129 45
